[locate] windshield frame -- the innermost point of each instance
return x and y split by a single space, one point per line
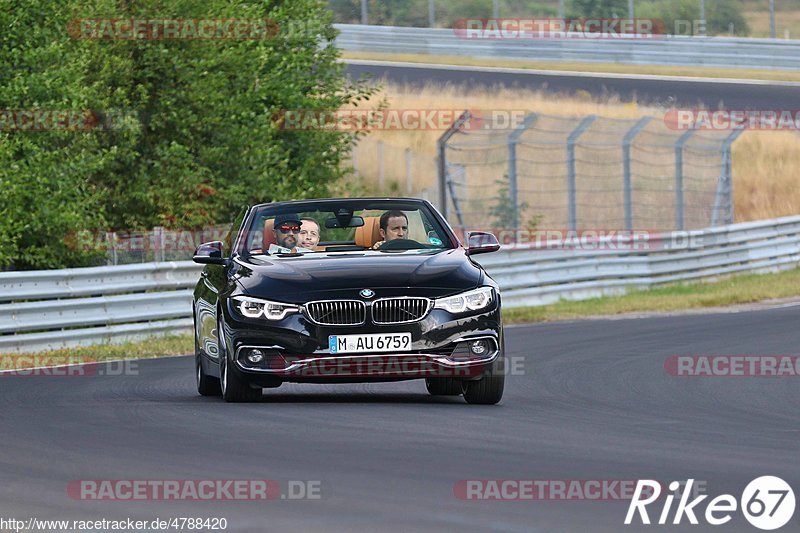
441 226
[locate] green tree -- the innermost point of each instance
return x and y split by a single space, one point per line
189 131
598 8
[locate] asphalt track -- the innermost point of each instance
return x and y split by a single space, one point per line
590 400
653 90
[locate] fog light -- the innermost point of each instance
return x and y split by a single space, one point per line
256 356
479 347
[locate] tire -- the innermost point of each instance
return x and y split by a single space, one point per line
489 389
234 388
444 386
206 385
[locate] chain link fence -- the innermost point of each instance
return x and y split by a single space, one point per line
587 172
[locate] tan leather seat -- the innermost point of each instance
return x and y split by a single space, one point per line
368 234
269 234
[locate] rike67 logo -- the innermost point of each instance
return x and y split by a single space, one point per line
767 503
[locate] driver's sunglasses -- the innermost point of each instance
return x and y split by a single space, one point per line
287 228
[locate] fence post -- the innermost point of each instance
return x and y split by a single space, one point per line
679 222
441 150
111 243
409 176
513 185
725 181
626 162
571 191
158 249
380 167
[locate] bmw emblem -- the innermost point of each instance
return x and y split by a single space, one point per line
367 293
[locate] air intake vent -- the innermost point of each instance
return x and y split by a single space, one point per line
399 310
337 312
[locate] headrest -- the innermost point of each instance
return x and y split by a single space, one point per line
269 234
368 234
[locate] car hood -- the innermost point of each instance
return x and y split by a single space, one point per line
343 275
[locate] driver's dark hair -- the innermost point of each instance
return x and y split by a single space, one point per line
384 222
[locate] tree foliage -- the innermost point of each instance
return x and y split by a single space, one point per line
187 131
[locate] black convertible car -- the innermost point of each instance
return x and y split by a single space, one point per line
347 290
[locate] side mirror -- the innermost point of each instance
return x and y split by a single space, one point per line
209 253
479 242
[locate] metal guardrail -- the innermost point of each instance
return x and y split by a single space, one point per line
729 52
42 310
538 275
48 309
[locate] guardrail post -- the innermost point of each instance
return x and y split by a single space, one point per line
679 222
513 186
571 190
111 243
158 241
725 181
626 162
441 150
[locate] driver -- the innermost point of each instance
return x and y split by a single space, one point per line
393 225
287 231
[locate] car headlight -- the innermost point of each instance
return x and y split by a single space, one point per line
466 301
255 307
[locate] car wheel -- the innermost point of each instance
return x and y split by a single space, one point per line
489 389
206 385
234 388
444 386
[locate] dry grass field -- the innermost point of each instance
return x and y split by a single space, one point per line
787 18
766 164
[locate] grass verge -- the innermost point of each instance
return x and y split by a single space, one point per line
154 347
747 288
601 68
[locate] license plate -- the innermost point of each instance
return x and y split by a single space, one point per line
371 342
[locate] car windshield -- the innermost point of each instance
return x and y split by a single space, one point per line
326 227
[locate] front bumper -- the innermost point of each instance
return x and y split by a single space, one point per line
296 350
